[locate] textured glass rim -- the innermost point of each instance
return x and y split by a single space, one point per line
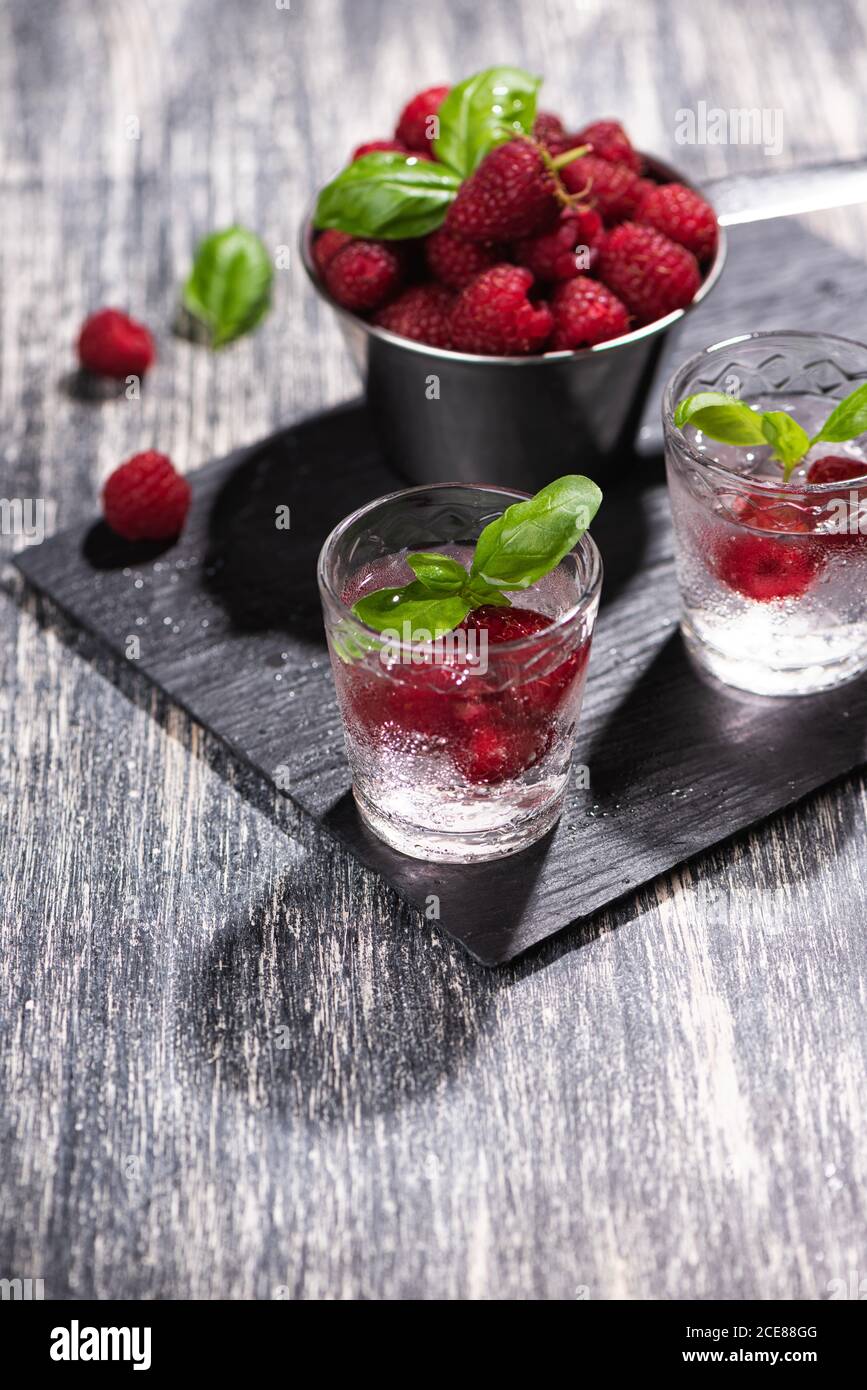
671 395
586 545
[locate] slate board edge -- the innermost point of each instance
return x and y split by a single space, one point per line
489 961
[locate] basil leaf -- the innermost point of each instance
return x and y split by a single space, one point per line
389 195
702 400
531 538
438 572
352 645
720 417
415 603
847 420
229 289
484 111
790 442
479 593
521 546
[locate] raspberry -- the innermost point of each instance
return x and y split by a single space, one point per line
113 344
586 313
145 499
455 261
512 194
764 569
550 131
421 313
494 316
542 696
412 128
371 146
682 216
836 468
505 735
489 733
327 245
505 624
421 701
493 752
552 255
842 468
613 189
362 274
652 275
772 514
609 141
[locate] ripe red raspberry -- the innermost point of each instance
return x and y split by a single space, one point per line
327 245
145 499
371 147
773 513
681 215
412 128
613 189
763 569
113 344
493 751
608 140
363 274
550 131
493 315
505 624
586 313
421 312
842 468
455 261
651 274
836 468
552 255
512 194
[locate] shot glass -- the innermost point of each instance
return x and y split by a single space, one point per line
773 575
460 748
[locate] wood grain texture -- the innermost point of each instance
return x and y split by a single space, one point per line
232 1064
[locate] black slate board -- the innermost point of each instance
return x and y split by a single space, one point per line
228 623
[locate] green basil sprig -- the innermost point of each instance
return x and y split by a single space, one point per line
847 420
487 109
734 422
229 289
390 195
513 552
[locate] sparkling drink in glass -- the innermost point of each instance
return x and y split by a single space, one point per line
773 574
460 748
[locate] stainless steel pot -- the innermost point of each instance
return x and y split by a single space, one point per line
520 421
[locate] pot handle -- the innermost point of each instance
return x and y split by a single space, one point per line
764 193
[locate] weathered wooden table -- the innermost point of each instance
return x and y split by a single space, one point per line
233 1064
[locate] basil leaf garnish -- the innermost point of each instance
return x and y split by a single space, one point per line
790 442
388 195
847 420
416 604
531 538
734 422
439 573
486 110
513 552
721 417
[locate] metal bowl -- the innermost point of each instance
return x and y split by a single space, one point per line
447 416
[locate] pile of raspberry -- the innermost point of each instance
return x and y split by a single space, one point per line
535 254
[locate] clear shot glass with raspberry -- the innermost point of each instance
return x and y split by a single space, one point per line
766 454
460 718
